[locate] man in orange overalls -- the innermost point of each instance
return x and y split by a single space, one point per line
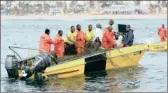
59 45
108 41
80 40
162 33
45 42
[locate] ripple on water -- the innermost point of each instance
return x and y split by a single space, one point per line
152 71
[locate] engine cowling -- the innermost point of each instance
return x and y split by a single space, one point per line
11 65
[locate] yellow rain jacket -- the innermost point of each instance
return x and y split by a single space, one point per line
70 37
90 35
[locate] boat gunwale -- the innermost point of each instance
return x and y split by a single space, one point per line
84 63
90 55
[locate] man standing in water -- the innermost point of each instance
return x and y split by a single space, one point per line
59 45
162 33
90 33
89 38
108 41
45 42
98 35
70 41
80 40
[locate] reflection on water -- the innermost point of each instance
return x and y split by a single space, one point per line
103 81
149 75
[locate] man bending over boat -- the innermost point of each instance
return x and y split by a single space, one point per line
80 40
45 42
108 41
70 41
59 45
128 37
162 33
89 38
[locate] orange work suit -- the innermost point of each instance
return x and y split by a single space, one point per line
80 42
59 46
45 43
108 39
162 33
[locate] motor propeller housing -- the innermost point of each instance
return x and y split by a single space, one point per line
41 62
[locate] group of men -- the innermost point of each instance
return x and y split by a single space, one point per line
77 39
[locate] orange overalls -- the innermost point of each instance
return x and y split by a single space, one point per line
80 42
162 33
45 43
108 39
59 46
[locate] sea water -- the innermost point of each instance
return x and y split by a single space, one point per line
149 75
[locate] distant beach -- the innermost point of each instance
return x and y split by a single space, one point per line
84 16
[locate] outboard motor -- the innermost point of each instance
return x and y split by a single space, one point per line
11 65
41 62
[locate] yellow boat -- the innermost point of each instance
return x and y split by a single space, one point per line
45 65
104 60
112 59
158 47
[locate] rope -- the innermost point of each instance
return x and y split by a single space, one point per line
111 61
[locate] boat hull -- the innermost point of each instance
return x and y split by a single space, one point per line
158 47
118 58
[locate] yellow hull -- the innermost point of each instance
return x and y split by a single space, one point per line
68 69
158 47
118 58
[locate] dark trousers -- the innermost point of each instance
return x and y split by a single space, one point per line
69 49
97 43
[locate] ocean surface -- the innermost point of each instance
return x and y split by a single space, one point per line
150 75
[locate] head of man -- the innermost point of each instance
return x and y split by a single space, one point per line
111 22
128 27
98 26
47 31
163 26
78 27
60 32
72 29
90 27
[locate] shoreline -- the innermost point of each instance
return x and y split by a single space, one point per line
84 17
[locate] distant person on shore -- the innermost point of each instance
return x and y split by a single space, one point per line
98 35
59 44
70 41
80 40
162 33
90 34
45 42
128 37
108 41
